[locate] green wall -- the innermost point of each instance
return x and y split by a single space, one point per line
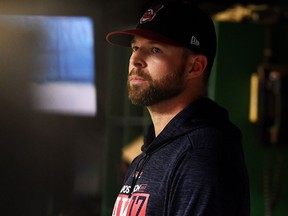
240 52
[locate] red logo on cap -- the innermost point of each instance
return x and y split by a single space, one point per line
150 14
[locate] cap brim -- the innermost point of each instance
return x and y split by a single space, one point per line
124 37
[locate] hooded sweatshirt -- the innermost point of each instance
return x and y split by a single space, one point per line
194 167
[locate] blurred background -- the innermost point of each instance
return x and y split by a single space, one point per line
67 129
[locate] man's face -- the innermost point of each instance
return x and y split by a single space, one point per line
156 72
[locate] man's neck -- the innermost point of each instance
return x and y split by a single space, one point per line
162 113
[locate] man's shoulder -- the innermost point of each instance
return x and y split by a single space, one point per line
212 137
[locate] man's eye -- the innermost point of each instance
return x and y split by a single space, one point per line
134 48
155 50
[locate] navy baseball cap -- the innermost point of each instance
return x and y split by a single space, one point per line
175 22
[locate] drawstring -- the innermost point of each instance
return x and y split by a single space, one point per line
141 163
137 174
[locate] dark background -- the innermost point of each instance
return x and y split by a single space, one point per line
42 155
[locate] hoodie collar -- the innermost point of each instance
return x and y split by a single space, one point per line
201 113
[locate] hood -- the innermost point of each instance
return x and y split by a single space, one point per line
202 113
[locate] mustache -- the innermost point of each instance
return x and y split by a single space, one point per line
140 73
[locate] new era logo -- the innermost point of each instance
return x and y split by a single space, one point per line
194 41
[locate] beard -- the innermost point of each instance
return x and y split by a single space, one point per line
155 91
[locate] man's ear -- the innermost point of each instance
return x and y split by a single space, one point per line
196 66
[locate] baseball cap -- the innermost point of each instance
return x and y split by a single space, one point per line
173 22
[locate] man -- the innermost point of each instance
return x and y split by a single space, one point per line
192 161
